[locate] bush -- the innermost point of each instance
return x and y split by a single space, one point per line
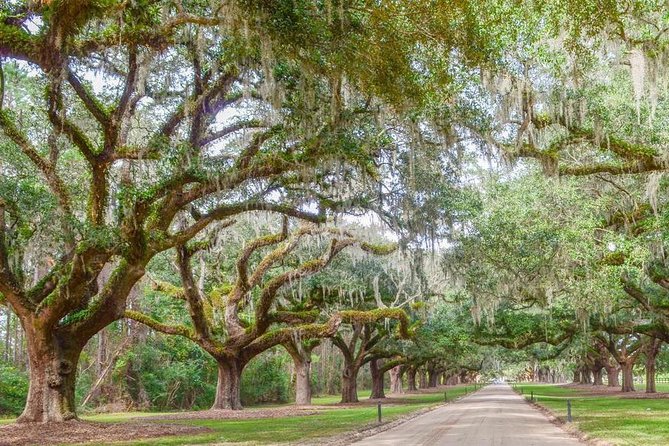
266 379
13 390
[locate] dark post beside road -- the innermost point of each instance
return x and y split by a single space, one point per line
379 412
569 411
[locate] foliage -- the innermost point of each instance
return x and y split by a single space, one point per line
13 390
266 380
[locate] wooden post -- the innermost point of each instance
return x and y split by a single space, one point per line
379 411
532 396
569 411
445 397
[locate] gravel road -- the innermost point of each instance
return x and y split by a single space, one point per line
493 416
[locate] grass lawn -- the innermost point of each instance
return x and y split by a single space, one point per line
337 420
621 421
328 422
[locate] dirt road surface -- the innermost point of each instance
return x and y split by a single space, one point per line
493 416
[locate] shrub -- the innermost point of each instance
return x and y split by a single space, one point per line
13 389
266 379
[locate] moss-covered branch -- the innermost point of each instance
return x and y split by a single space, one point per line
179 330
372 316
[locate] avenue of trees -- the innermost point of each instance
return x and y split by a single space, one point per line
218 203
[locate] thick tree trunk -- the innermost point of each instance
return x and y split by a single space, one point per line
651 354
53 368
396 379
411 379
302 382
422 379
585 375
577 376
628 376
432 378
377 380
228 389
612 375
597 377
301 355
349 384
650 378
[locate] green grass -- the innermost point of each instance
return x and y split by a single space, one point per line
621 421
327 422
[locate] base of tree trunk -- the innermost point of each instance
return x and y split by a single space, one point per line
53 373
349 386
612 376
628 378
396 379
377 380
597 378
228 388
303 383
411 380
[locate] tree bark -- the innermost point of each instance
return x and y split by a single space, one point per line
422 379
228 389
577 376
597 377
628 376
302 381
432 378
585 375
53 368
301 355
651 354
349 384
650 378
411 379
396 380
377 380
612 375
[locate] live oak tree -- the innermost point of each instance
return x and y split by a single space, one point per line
237 321
366 286
121 120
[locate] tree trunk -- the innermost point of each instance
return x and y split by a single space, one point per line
349 384
585 375
577 376
301 354
7 334
411 379
53 369
422 379
628 376
650 378
377 380
432 379
228 389
612 375
651 354
597 377
302 381
396 380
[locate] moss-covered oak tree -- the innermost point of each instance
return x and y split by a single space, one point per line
126 128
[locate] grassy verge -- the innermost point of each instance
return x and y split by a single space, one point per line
331 421
621 421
